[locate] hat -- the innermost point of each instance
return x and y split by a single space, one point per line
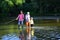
28 12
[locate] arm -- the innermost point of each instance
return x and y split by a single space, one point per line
17 17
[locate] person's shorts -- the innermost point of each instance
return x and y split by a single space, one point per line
31 25
20 22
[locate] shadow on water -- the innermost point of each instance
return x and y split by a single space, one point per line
41 33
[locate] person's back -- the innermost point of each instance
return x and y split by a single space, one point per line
31 20
27 17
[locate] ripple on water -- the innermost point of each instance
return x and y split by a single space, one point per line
10 37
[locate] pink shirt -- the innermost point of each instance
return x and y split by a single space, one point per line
21 17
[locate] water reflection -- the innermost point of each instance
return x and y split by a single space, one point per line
10 37
40 34
47 34
14 37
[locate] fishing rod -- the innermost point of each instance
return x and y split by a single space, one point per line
10 21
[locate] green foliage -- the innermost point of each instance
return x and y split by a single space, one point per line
10 7
35 7
18 2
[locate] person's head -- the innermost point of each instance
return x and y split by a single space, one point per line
31 18
21 12
28 13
